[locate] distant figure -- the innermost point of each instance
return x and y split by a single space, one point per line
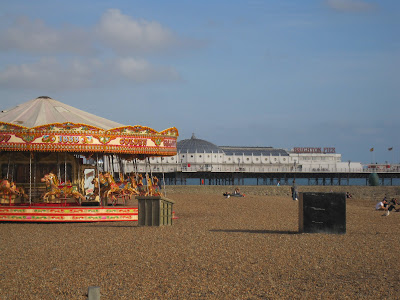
227 194
295 194
392 205
383 205
348 195
237 191
278 184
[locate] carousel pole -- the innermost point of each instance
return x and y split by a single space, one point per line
8 166
163 178
76 157
112 165
98 177
30 178
147 173
65 169
34 171
151 172
13 170
121 169
136 169
58 167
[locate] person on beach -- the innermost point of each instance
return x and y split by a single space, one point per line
227 194
392 205
295 194
383 205
236 193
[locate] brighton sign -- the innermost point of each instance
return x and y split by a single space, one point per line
314 150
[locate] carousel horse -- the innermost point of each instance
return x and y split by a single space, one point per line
150 190
69 190
140 186
18 191
127 187
113 190
131 187
102 183
95 183
52 190
152 186
9 189
22 193
155 187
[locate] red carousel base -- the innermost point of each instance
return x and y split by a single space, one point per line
44 213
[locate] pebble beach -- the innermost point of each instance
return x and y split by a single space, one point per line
217 248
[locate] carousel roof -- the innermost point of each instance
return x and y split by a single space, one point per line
44 124
45 110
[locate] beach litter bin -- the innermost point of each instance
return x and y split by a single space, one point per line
155 211
322 213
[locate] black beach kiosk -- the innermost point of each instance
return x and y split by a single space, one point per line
322 213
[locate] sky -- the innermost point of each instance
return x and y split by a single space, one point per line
285 74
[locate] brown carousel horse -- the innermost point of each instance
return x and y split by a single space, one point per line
9 189
103 185
131 187
113 191
152 186
68 190
155 187
52 190
142 190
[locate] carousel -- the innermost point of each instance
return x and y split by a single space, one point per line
62 164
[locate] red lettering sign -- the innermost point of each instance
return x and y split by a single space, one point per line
314 150
133 142
169 143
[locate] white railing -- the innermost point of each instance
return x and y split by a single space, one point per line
263 168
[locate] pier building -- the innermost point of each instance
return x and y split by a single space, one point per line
198 155
207 163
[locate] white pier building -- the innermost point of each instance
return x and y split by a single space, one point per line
197 155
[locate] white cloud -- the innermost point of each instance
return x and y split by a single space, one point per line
51 74
33 36
129 36
139 70
48 74
350 5
121 33
115 31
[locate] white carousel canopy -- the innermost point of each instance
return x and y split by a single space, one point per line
45 110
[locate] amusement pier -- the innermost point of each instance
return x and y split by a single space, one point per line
201 162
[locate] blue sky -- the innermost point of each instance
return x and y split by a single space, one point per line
317 73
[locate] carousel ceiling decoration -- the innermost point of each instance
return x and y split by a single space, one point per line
47 125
